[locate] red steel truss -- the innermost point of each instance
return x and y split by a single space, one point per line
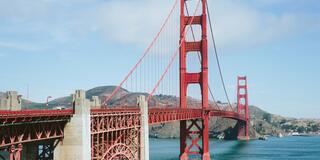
23 133
33 116
26 126
115 134
19 127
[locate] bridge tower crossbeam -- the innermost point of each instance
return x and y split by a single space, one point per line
194 131
242 105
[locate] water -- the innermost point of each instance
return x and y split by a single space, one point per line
293 148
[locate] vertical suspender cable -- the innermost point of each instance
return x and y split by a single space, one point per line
142 57
199 58
217 58
172 58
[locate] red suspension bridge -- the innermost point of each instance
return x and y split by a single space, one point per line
176 58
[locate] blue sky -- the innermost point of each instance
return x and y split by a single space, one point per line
58 46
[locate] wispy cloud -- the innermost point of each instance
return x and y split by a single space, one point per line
46 21
242 24
236 23
21 46
131 21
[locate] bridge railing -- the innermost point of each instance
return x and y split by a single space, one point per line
5 113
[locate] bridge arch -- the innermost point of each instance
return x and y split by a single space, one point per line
119 151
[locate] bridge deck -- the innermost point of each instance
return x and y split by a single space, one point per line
156 115
33 116
34 125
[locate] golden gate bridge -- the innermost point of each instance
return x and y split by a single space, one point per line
114 130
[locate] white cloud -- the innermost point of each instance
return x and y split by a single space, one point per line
132 21
47 20
277 2
239 24
236 23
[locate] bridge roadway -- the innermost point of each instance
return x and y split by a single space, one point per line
49 124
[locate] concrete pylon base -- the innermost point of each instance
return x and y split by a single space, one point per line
143 104
76 143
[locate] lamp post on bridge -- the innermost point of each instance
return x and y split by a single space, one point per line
47 104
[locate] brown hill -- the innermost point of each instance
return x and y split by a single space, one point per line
261 122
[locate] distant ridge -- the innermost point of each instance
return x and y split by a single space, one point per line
262 122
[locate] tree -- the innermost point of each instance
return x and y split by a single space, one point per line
315 128
267 117
301 129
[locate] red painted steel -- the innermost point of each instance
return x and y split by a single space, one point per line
143 56
200 78
156 115
24 133
115 134
112 129
18 127
32 116
15 152
242 105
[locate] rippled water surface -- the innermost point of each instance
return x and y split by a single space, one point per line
296 148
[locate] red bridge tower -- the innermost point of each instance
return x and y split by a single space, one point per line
194 131
242 103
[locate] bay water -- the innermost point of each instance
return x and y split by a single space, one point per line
286 148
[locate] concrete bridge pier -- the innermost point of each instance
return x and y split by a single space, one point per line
143 105
76 142
10 101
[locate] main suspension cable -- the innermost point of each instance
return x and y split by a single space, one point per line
199 58
217 57
143 55
173 56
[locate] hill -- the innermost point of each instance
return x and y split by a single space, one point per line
26 104
261 122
